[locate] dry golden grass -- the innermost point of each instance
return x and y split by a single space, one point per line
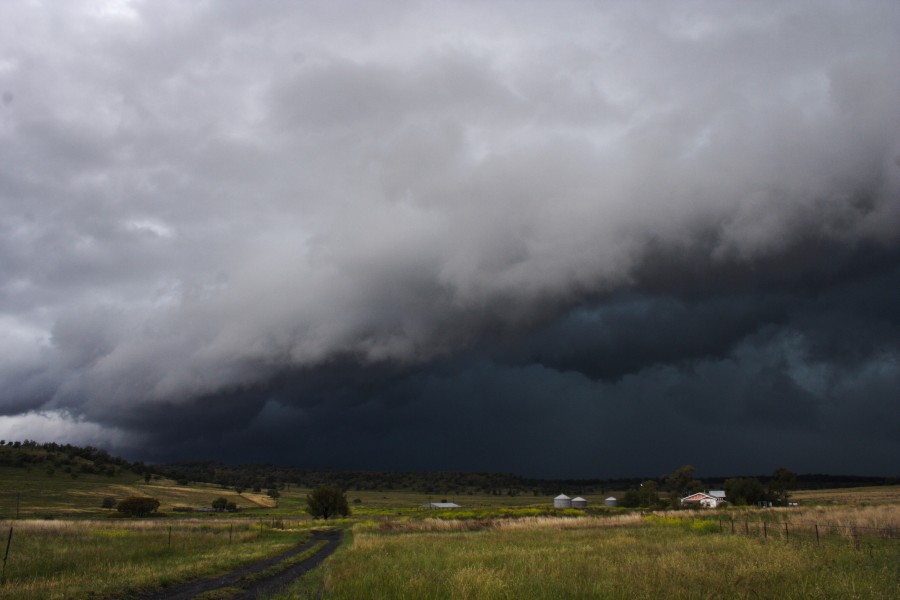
877 495
886 517
525 523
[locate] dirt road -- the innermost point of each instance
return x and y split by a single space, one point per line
241 584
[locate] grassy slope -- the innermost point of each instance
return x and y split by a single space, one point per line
60 495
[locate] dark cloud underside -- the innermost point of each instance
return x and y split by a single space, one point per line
570 240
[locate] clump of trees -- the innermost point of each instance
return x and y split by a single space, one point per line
646 496
327 501
742 491
223 505
137 506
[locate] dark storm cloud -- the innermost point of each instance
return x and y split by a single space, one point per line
569 221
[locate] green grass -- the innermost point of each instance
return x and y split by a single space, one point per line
72 559
35 494
642 561
59 495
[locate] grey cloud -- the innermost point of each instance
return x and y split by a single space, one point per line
199 200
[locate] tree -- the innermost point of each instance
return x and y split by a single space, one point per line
138 506
649 497
783 479
220 504
108 502
327 501
273 493
747 490
631 499
681 481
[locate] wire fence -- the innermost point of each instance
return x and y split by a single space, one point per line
813 533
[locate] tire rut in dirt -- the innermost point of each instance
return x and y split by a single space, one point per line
271 585
236 578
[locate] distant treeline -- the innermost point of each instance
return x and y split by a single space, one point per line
66 458
429 482
87 459
448 482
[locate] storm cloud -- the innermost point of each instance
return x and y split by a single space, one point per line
562 239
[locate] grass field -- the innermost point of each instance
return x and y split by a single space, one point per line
59 495
74 559
66 546
608 558
875 495
37 494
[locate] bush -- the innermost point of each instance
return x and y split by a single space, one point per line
108 502
327 501
137 506
220 504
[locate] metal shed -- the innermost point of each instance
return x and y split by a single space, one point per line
611 502
562 501
579 502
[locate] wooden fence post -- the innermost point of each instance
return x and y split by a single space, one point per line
170 537
765 531
817 534
6 555
786 531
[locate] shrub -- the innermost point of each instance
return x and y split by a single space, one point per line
327 501
138 506
108 502
220 504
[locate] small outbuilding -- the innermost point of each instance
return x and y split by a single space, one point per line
562 501
611 502
579 502
441 505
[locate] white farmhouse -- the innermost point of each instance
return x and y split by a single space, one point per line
706 500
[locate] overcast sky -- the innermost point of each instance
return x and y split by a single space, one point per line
559 239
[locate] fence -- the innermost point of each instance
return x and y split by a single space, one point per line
808 533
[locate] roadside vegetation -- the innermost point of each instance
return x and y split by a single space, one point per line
73 559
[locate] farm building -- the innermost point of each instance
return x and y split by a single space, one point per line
579 502
562 501
611 502
441 505
706 500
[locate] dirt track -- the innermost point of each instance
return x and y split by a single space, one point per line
253 588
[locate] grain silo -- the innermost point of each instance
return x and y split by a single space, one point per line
579 502
562 501
611 502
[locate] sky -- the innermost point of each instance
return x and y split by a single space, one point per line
558 239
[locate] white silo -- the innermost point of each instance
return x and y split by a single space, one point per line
579 502
562 501
611 502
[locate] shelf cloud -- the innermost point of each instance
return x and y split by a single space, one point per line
335 234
